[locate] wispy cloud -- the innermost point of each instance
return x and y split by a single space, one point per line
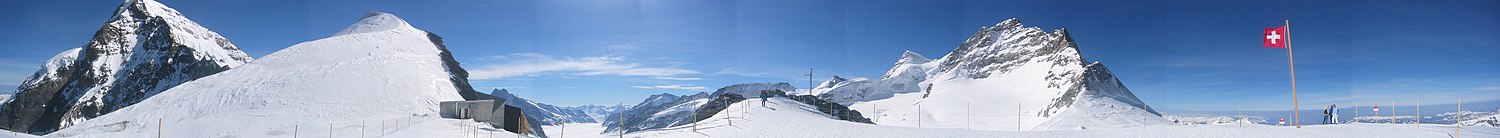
528 64
678 87
732 71
677 78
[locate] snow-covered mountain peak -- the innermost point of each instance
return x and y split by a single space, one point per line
143 49
499 92
1007 23
1006 46
832 81
1038 73
340 81
148 19
375 21
754 89
910 57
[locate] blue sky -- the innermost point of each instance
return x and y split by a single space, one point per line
1173 54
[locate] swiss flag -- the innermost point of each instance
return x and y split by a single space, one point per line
1275 37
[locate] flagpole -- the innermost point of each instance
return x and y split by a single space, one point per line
1290 63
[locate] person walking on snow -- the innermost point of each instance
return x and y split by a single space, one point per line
763 96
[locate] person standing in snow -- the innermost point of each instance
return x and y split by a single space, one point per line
1325 115
1334 113
763 96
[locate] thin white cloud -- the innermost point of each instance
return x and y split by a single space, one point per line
732 71
530 64
678 78
678 87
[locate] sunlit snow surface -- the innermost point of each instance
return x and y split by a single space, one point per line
785 118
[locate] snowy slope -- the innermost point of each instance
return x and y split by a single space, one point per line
143 49
782 117
348 84
1003 74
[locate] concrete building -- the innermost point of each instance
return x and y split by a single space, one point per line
491 111
487 111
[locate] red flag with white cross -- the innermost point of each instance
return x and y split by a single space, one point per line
1275 37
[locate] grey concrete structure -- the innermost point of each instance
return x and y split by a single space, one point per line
490 111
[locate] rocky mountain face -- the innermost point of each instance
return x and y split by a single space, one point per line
657 111
145 48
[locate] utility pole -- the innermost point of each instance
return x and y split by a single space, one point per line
810 82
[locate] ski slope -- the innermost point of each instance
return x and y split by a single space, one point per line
781 117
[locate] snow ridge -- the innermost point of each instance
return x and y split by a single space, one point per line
374 21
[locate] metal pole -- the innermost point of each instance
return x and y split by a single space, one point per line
1458 127
1419 112
695 120
622 121
1297 115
